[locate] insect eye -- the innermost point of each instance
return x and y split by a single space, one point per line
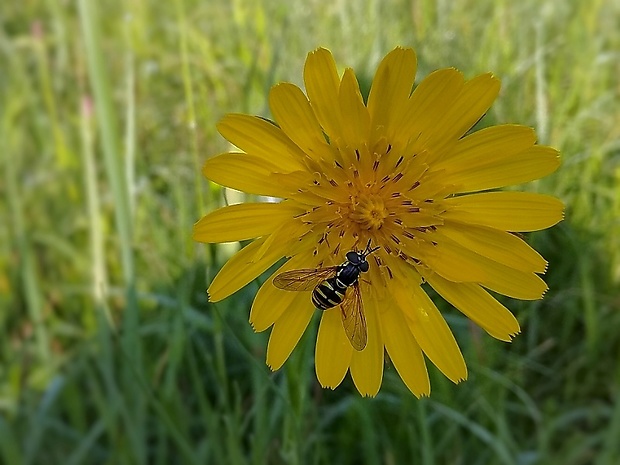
353 257
364 266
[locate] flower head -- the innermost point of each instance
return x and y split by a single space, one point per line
398 172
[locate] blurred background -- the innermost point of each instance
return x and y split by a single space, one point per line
109 351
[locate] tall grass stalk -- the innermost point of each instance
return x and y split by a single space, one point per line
107 124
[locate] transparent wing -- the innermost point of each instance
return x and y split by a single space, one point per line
304 279
353 319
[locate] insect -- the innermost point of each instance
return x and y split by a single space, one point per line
332 286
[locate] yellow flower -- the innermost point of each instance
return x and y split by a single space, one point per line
398 171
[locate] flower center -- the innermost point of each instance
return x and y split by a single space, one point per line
368 211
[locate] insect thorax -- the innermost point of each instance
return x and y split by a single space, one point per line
348 273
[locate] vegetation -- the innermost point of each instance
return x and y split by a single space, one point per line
110 353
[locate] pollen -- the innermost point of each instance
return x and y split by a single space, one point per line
368 211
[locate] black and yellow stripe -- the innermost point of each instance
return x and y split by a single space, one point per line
328 294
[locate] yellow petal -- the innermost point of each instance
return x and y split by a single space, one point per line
478 306
241 269
367 365
284 233
333 349
513 283
288 329
390 91
496 276
497 245
504 140
431 331
293 112
244 172
471 104
322 86
452 261
489 171
509 211
355 133
270 302
243 221
262 139
429 102
404 351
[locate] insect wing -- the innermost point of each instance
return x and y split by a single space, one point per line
353 319
304 279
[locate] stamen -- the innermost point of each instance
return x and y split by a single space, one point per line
400 160
357 154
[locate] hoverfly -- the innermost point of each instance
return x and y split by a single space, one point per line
332 286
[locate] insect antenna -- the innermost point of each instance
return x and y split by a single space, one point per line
367 251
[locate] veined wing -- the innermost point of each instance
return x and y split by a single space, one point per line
353 319
304 279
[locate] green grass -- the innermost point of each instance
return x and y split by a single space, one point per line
110 353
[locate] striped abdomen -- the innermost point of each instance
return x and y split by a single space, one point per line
329 293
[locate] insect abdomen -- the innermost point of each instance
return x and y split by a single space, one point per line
328 294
